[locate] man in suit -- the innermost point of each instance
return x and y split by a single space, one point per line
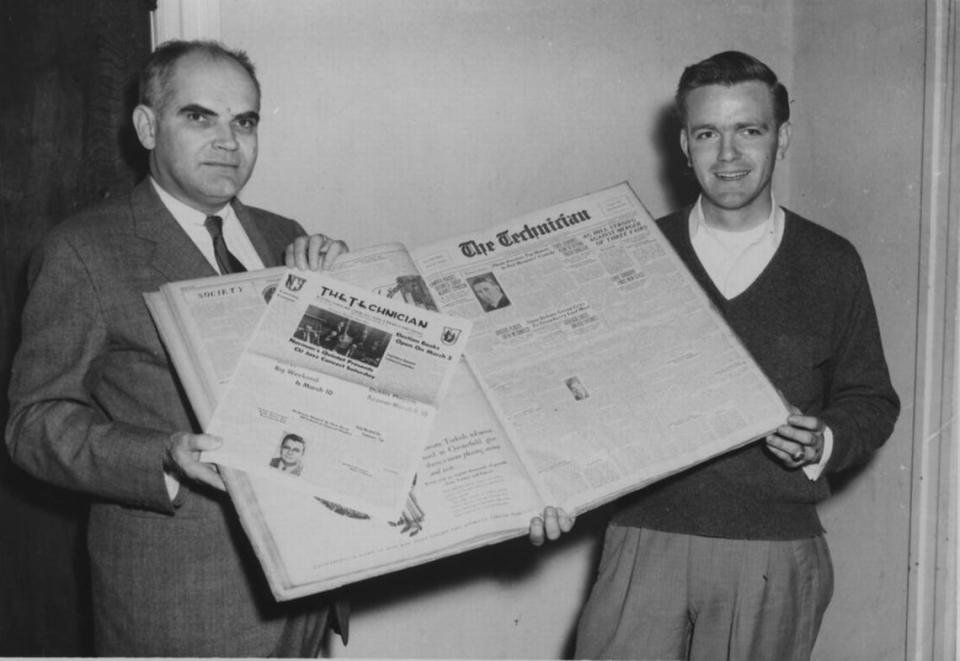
728 560
96 405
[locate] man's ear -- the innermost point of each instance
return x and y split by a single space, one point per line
783 139
145 123
685 146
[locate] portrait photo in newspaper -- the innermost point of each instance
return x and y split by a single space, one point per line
488 291
289 457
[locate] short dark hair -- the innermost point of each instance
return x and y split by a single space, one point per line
158 69
486 277
292 437
729 68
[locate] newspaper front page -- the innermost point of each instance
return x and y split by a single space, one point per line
601 355
336 392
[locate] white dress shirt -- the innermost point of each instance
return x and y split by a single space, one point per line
192 221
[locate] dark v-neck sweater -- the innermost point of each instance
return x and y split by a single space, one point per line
808 320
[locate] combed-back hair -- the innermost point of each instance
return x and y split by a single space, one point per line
729 68
158 69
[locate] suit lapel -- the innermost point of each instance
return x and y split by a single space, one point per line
174 254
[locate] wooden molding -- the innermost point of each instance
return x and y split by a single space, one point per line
185 19
935 517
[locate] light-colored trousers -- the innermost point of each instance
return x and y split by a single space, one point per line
668 596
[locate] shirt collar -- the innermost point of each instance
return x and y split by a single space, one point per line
184 213
772 226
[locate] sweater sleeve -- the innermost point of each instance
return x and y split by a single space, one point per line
861 405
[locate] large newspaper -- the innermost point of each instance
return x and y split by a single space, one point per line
595 366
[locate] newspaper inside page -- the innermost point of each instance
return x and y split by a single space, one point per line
604 359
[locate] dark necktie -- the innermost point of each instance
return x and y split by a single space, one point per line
226 262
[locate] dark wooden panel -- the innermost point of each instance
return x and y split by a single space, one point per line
67 89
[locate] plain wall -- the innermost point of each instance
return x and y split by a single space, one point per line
410 121
414 120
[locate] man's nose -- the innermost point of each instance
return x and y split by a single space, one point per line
728 148
226 137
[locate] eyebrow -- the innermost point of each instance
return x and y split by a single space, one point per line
194 107
250 114
739 125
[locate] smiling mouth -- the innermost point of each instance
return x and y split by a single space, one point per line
731 176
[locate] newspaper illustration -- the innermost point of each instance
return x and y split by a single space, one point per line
336 391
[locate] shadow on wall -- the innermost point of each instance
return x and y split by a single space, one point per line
674 176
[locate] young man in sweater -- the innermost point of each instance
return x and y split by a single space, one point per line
728 560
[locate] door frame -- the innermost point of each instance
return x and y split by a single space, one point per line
933 619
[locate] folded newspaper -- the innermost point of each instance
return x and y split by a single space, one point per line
595 366
336 391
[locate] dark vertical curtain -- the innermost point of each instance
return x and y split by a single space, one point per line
67 88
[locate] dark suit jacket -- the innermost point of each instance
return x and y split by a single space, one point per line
93 395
